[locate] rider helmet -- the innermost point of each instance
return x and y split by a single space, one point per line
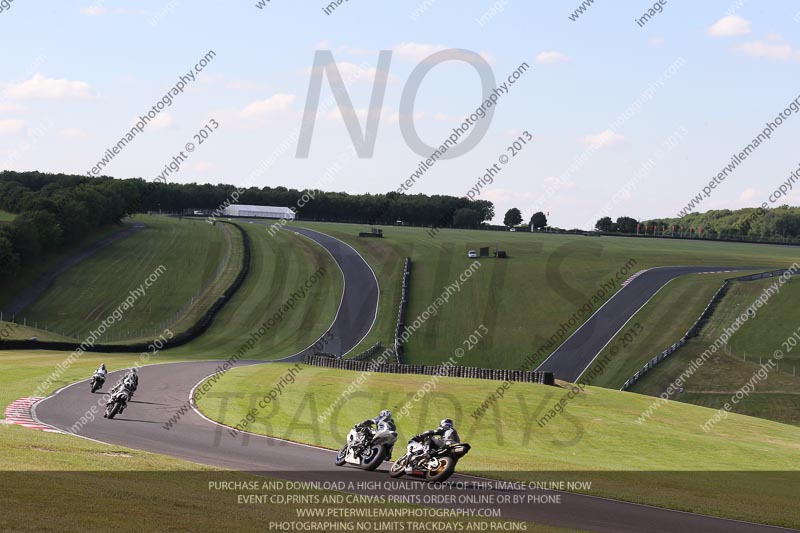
446 423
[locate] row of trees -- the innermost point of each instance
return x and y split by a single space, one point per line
513 218
56 210
770 224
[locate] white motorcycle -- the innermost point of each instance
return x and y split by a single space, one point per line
367 448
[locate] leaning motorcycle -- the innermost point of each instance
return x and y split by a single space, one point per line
366 448
436 465
97 382
117 403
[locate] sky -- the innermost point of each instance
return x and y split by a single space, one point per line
625 117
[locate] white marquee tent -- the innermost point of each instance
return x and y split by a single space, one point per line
262 211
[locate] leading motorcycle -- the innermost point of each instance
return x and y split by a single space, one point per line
97 382
435 464
366 448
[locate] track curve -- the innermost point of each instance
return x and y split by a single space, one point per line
570 360
165 388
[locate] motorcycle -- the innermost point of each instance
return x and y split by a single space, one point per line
117 403
366 448
434 464
97 382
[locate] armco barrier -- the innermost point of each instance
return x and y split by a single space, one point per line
542 378
368 353
701 321
401 312
194 331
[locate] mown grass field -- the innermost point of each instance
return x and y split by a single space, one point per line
5 216
727 371
190 251
597 438
10 287
522 299
99 485
281 265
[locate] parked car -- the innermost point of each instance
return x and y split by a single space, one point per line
472 254
513 229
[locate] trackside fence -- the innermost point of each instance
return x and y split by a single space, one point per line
543 378
368 353
698 325
401 312
194 331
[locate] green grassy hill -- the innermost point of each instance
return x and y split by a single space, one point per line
179 256
281 265
728 370
546 279
596 438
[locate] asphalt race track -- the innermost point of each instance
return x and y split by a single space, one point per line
166 388
575 354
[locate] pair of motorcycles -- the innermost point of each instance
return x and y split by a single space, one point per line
367 449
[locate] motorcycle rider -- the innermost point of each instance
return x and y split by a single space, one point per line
433 439
384 423
101 371
130 381
125 386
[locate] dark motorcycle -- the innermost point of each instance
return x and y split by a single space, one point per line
434 464
97 382
117 403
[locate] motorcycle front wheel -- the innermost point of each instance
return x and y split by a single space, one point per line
399 467
339 461
113 411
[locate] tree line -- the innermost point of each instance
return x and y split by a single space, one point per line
55 211
774 224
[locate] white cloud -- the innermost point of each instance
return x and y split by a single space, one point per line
203 166
162 121
73 133
773 52
730 26
352 73
275 103
94 10
603 139
9 107
747 194
10 126
551 57
775 37
417 52
656 40
48 88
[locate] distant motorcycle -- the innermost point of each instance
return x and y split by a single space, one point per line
366 448
119 400
434 464
97 382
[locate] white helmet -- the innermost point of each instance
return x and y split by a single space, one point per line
446 423
385 414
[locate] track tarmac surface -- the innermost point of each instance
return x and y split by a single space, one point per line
165 389
570 360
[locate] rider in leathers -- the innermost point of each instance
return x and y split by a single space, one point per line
384 423
433 439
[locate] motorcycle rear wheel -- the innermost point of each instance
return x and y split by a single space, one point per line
447 465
